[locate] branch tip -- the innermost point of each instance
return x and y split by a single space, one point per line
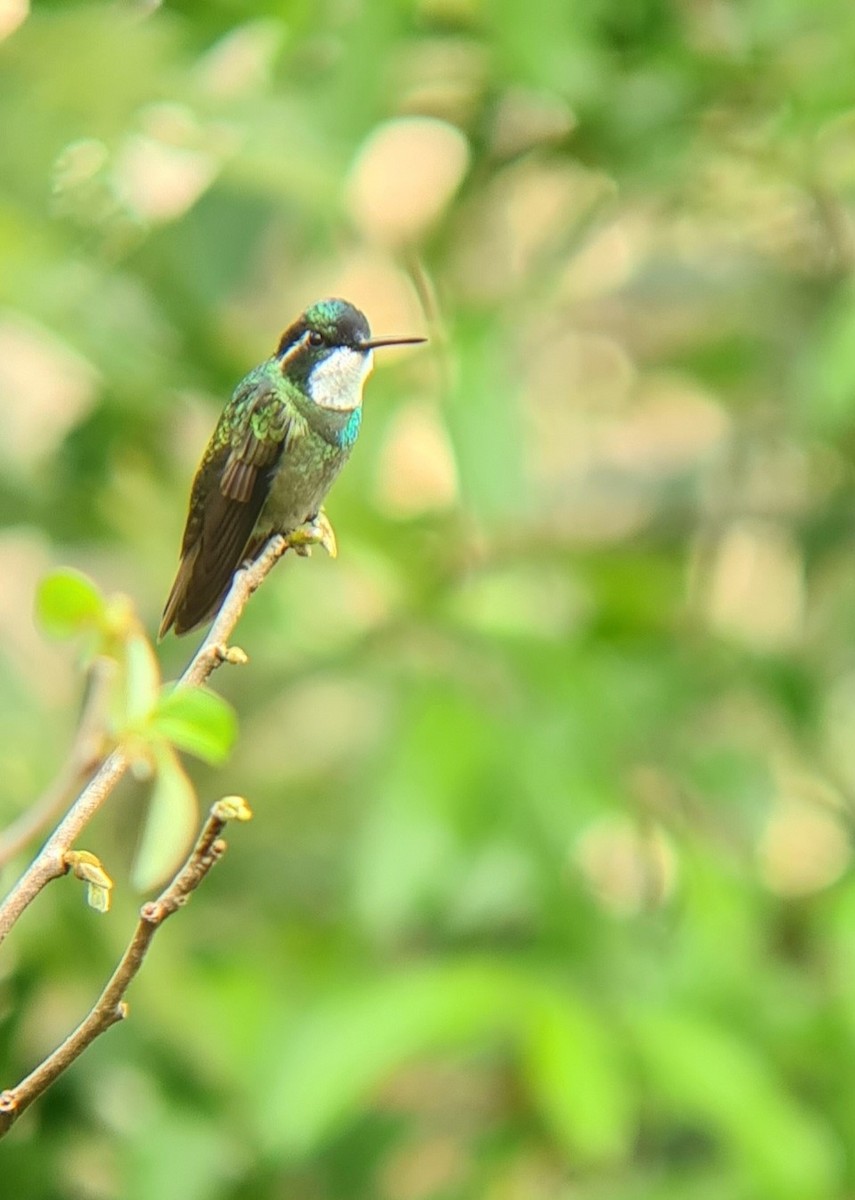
231 808
89 868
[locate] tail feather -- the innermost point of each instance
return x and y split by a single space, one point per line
193 599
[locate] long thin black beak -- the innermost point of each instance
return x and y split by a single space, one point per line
373 343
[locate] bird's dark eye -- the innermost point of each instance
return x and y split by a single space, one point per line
315 338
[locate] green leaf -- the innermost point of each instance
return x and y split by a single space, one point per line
334 1058
575 1076
183 1155
830 385
170 825
710 1076
68 603
196 720
142 678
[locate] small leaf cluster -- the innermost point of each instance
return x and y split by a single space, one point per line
149 720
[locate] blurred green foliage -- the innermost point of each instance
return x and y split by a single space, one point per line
549 889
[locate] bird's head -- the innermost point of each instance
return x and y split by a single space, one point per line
328 353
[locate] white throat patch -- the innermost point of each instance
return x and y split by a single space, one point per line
337 381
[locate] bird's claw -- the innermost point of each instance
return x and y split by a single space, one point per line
318 532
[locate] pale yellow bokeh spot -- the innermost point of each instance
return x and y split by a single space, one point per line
671 425
424 1166
417 472
802 850
404 176
13 13
443 77
160 182
539 205
578 384
756 588
627 867
45 389
525 220
526 118
607 261
240 63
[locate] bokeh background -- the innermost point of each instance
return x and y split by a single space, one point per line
549 891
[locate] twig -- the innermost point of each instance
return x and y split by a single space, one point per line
214 649
50 862
110 1006
84 756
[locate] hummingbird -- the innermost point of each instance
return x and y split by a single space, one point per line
279 444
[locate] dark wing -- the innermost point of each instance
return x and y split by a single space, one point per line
228 495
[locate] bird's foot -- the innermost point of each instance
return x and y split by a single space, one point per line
318 532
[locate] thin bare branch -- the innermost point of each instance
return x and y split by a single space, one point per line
50 862
110 1006
214 649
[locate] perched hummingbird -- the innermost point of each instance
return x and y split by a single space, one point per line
280 442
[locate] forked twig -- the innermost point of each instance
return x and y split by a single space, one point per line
110 1006
50 863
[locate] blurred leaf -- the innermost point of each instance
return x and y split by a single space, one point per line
67 603
335 1056
830 389
170 824
196 720
708 1076
575 1076
178 1155
142 681
484 423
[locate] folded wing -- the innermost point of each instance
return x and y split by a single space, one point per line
228 495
